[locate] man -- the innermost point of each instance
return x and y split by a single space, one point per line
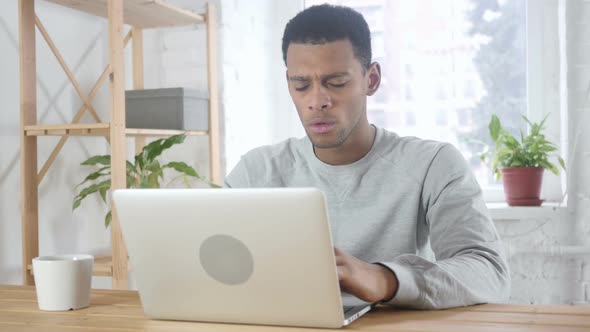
407 216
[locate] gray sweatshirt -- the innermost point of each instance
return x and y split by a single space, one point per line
412 205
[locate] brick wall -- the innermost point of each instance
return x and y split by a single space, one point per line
545 267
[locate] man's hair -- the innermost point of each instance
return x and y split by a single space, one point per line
327 23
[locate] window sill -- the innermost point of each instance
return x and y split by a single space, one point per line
503 212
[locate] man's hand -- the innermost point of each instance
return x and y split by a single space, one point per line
368 282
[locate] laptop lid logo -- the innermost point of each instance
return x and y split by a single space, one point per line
226 259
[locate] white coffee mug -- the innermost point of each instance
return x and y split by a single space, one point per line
63 281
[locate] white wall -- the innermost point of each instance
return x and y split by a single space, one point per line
257 104
254 99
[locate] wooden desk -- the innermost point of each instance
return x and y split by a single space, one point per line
112 310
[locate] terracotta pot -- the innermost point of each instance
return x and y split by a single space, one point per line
522 185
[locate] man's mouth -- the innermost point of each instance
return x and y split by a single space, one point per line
322 127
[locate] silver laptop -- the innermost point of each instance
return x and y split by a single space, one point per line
250 256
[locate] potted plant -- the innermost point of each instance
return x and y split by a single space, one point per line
520 164
145 172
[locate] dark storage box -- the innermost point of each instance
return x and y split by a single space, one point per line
170 108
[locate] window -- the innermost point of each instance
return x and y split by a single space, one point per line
464 119
441 119
408 92
409 71
441 91
469 89
410 119
380 97
468 61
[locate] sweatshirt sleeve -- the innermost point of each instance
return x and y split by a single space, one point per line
470 266
239 176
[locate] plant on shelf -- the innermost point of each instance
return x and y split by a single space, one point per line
145 172
520 164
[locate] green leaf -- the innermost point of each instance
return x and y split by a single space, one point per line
89 190
547 148
155 148
154 167
95 175
187 183
535 130
188 171
495 128
561 162
139 161
100 160
152 181
131 181
95 187
76 203
551 167
509 140
144 183
542 124
534 149
502 158
103 193
527 121
108 218
484 156
131 169
182 167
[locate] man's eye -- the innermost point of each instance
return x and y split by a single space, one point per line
337 85
301 88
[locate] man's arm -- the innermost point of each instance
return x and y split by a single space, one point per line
368 282
470 267
238 177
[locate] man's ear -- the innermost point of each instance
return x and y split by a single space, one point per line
374 73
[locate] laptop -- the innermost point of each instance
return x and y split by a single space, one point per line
247 256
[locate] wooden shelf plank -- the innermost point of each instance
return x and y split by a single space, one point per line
100 129
138 13
162 132
68 129
103 267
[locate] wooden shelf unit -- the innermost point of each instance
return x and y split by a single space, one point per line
139 14
101 129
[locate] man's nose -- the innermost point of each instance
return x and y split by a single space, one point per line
319 99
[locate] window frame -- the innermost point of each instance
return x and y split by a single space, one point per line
544 84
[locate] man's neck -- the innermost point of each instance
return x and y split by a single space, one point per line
354 149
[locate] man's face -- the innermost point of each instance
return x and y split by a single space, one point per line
329 87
